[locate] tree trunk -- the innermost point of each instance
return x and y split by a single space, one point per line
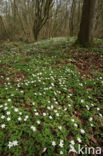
71 20
4 27
87 25
42 9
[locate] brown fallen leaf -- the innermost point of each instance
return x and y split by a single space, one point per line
93 139
72 154
71 90
89 89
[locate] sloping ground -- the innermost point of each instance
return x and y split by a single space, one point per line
51 98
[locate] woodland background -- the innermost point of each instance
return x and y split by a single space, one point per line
29 20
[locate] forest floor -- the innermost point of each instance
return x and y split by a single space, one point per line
51 98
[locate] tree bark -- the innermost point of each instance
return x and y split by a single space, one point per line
41 15
71 20
88 21
2 23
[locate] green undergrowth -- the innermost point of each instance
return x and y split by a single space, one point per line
46 106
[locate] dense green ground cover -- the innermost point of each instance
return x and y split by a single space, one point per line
49 101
